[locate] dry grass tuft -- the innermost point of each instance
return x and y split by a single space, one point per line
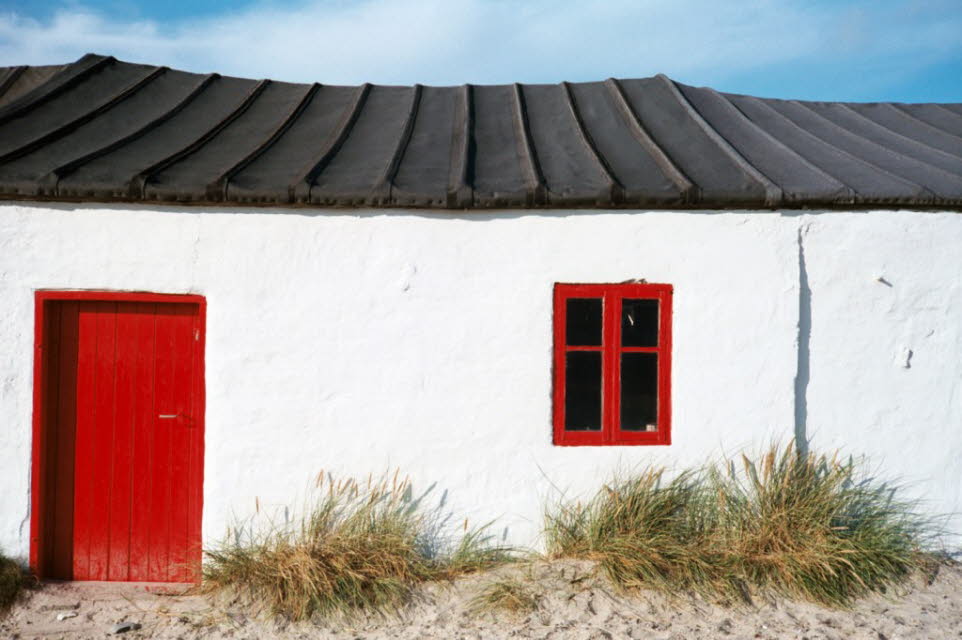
806 526
639 529
11 582
359 547
507 594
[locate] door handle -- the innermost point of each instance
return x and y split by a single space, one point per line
187 422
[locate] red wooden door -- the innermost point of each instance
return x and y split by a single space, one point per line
123 435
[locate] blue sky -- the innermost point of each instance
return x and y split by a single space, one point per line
900 50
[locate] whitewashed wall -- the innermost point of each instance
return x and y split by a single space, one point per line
362 342
886 347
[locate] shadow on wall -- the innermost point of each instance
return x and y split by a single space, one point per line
804 336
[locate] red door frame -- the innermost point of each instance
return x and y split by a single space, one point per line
38 472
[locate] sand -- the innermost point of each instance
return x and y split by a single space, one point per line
573 602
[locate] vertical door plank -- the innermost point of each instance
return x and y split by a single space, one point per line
142 453
125 409
85 434
48 454
195 481
103 450
181 324
65 427
159 532
49 457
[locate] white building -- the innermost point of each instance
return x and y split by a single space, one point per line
214 288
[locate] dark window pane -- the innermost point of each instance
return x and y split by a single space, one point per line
639 323
583 391
583 319
639 391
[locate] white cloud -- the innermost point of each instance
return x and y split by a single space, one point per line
497 41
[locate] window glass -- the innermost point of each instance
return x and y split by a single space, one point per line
639 323
583 322
583 397
639 391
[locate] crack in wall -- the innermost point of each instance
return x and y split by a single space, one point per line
195 253
802 371
22 530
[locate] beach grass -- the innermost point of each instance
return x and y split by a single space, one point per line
359 546
508 594
11 582
807 526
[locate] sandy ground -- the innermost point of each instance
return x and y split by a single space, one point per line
573 602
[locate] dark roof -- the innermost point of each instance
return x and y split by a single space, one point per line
104 130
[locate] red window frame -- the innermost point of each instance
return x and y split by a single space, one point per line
611 349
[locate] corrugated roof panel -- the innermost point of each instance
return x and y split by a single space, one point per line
571 172
111 175
935 115
61 81
16 81
9 77
47 118
627 153
955 108
366 154
719 176
859 125
424 173
498 177
799 179
40 169
903 123
931 182
271 176
192 175
867 181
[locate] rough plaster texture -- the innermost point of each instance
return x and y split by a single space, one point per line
886 347
361 342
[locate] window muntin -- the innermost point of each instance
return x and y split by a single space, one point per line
612 361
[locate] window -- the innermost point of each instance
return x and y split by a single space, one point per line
612 364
